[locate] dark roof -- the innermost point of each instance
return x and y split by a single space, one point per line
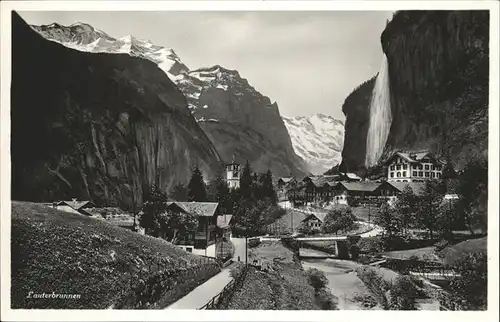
320 215
414 157
75 204
359 186
206 209
416 187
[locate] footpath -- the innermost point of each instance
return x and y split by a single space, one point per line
204 292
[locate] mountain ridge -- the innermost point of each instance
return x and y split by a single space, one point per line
103 126
318 139
215 95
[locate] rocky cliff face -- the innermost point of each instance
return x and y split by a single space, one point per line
98 126
239 120
356 108
438 65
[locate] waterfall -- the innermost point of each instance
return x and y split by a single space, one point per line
380 116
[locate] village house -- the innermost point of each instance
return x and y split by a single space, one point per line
314 221
284 183
74 206
413 167
321 189
202 241
390 190
362 191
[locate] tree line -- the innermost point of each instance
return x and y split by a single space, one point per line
253 205
429 211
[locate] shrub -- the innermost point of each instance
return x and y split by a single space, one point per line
376 284
472 284
367 300
317 279
403 294
326 300
442 244
354 252
254 242
236 271
371 245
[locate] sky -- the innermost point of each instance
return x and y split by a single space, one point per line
306 61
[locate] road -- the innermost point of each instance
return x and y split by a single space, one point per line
376 230
206 291
202 294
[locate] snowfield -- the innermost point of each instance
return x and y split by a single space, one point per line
318 139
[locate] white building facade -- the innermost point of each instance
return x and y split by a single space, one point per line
233 174
414 167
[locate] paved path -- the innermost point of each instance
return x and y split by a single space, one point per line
205 292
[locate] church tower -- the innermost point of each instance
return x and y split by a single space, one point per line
233 174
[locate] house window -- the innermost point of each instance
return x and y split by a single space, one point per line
404 173
433 175
432 167
392 167
392 174
420 173
438 175
420 167
405 166
398 167
405 180
398 174
415 173
189 249
415 166
426 174
426 167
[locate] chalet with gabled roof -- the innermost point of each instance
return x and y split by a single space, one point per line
413 167
202 241
314 220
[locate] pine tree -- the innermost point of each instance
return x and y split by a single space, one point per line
196 186
222 195
267 187
246 181
179 192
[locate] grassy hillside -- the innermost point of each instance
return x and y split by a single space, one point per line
282 286
453 253
64 253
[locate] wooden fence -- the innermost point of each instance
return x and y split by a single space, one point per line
223 297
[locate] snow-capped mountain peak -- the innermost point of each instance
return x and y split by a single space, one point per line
318 139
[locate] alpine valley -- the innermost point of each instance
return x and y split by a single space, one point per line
239 121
